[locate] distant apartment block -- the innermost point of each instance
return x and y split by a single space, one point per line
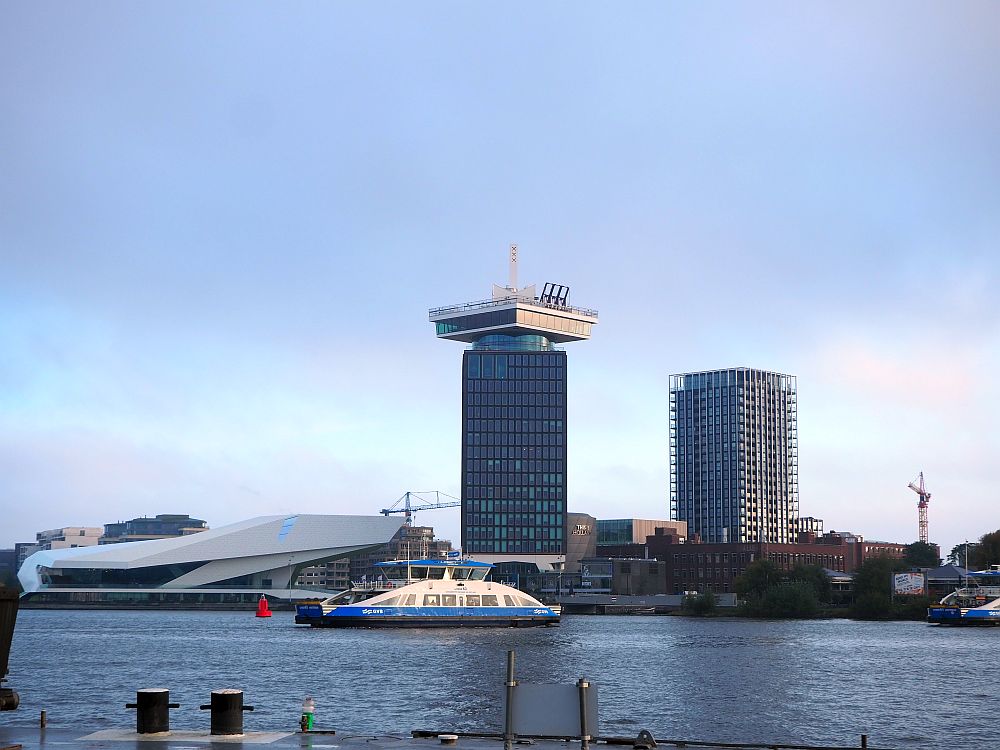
409 543
8 566
807 525
334 575
66 537
162 526
24 550
734 455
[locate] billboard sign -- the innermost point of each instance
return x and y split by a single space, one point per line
908 584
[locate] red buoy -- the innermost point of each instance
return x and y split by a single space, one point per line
262 608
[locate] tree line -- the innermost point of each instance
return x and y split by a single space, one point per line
977 555
805 591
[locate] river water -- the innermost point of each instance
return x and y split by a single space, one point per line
906 685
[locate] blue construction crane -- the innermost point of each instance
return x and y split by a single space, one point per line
408 505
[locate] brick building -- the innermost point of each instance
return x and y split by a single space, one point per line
694 566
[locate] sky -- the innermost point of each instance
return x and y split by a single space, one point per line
222 227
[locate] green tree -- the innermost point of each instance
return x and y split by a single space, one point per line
790 599
814 576
961 554
699 604
922 555
987 551
796 599
873 588
759 576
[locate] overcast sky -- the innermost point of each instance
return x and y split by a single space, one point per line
222 226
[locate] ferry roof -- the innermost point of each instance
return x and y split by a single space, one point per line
984 573
435 563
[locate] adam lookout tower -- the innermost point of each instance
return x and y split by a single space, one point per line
514 422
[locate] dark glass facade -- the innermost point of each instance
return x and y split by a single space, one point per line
514 447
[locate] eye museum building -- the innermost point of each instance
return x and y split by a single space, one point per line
229 565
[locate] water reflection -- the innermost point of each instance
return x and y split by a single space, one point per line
822 682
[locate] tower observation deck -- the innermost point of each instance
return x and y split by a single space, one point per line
514 313
514 434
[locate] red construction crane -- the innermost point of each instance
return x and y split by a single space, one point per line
917 485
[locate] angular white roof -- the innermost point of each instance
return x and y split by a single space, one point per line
252 546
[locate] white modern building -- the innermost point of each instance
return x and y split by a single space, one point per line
227 565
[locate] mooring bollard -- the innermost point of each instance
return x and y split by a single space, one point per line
152 714
864 741
42 720
227 711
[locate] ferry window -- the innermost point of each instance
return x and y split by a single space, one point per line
435 574
392 601
479 574
508 601
449 600
418 572
394 573
432 600
411 599
460 574
490 600
525 602
472 600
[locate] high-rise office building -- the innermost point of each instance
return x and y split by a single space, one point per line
514 421
734 473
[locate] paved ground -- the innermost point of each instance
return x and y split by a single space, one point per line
29 738
119 739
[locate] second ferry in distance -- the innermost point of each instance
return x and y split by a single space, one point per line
975 603
428 593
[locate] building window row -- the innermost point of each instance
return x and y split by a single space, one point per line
492 492
514 438
547 398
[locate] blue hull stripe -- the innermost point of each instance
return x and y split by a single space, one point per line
359 611
954 616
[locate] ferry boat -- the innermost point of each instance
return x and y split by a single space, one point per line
975 603
428 593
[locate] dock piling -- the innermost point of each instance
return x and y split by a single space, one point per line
582 685
508 729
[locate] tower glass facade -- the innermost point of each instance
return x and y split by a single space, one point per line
734 455
514 446
514 433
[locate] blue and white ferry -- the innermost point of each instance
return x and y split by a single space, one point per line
428 593
975 603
